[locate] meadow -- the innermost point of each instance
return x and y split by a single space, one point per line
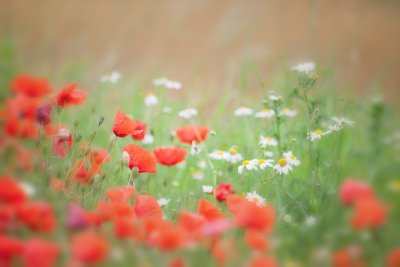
131 172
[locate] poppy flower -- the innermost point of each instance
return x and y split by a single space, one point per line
37 216
77 217
57 184
139 157
7 218
352 189
190 134
123 124
43 114
369 213
169 155
10 191
124 227
262 261
393 258
348 257
223 249
89 248
147 206
192 223
140 130
99 156
70 95
167 237
9 248
222 191
62 143
37 252
209 210
30 86
256 240
120 194
84 170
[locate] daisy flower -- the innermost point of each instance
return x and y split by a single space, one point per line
148 139
288 112
263 163
150 100
243 111
113 77
265 113
219 155
306 67
343 121
197 175
202 164
188 113
291 158
267 141
167 83
208 189
195 148
247 164
256 198
268 154
234 156
162 202
317 134
275 98
283 166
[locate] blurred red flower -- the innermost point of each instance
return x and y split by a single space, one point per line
70 95
348 257
37 216
262 261
169 155
140 158
62 143
89 248
166 236
37 252
123 124
9 248
369 213
30 86
256 240
147 206
10 191
120 194
393 258
222 191
140 130
209 210
190 134
352 189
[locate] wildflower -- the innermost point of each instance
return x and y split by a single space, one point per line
77 218
243 111
140 130
291 158
37 252
188 134
163 202
151 100
342 121
352 189
256 198
265 113
197 175
262 163
369 213
195 149
11 192
10 248
30 86
113 77
166 236
317 134
208 189
219 155
28 188
283 166
234 156
140 158
188 113
255 240
123 124
202 164
146 206
260 260
247 164
120 194
268 154
275 98
348 257
209 210
70 95
62 143
393 258
306 67
222 191
169 156
267 141
89 248
43 114
148 139
288 112
167 83
37 216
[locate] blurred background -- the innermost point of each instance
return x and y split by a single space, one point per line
211 43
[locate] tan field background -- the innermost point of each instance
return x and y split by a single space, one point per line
210 41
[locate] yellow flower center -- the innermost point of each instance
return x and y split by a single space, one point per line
233 151
220 152
261 161
246 162
265 110
319 132
282 162
268 138
256 200
285 110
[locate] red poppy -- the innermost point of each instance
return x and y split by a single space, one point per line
177 262
89 248
70 95
369 213
43 114
209 210
348 257
10 191
147 206
83 170
140 158
124 227
140 130
190 134
30 86
166 236
262 261
222 191
169 155
57 184
99 156
256 240
393 258
62 143
37 216
223 249
9 248
120 194
192 223
7 218
123 124
352 189
39 252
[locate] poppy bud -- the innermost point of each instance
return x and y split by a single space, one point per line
43 114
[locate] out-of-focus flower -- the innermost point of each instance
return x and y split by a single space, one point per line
151 100
260 260
140 130
169 156
89 248
120 194
148 139
283 166
288 112
317 134
352 189
234 156
113 77
163 202
393 258
291 158
166 110
37 252
77 218
70 95
208 189
369 213
219 155
348 257
43 114
263 163
140 158
192 133
62 143
202 164
222 191
247 164
267 141
265 113
310 221
11 192
243 111
123 124
256 198
29 189
268 154
37 216
275 98
147 206
197 175
188 113
167 83
30 86
306 67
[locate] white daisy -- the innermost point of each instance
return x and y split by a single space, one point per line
195 149
219 155
265 113
288 112
148 139
247 164
335 127
342 121
255 197
234 156
317 134
267 141
268 154
197 175
188 113
275 98
306 67
160 81
283 166
243 111
162 202
208 189
291 158
202 164
151 100
263 163
167 83
113 77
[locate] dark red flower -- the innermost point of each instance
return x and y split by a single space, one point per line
123 124
222 191
30 86
169 155
138 157
190 134
43 114
9 248
140 130
70 95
